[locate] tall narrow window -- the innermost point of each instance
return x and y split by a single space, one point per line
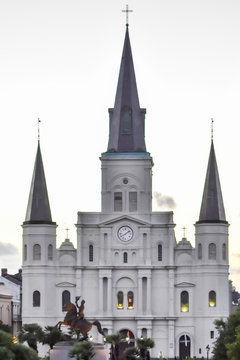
36 252
212 251
125 257
120 300
126 120
36 298
212 299
224 252
90 252
66 298
118 201
184 301
130 300
50 252
132 201
199 251
159 252
25 252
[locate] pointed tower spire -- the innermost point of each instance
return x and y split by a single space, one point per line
38 209
126 118
212 208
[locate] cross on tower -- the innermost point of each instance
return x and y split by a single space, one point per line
67 229
212 128
127 11
39 129
184 231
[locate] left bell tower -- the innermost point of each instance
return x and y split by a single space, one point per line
39 246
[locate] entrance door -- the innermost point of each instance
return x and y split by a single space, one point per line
184 346
126 334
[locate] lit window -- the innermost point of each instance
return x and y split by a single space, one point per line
125 257
36 298
212 299
159 252
199 251
212 251
25 252
66 298
130 302
90 252
117 201
50 252
224 252
184 301
120 300
36 252
133 201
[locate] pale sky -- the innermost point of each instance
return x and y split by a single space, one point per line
59 60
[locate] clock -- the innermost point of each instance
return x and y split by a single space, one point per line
125 233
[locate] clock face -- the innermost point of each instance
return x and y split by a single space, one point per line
125 233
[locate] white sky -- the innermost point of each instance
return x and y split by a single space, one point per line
59 60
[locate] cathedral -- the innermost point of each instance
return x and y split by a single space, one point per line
135 277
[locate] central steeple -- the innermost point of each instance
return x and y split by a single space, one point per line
126 118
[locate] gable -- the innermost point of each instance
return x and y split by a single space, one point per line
65 284
125 218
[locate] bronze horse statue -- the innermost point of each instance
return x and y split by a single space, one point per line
77 323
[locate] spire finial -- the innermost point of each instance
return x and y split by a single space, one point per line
127 11
184 231
212 128
39 129
67 229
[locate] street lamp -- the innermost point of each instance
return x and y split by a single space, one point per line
207 348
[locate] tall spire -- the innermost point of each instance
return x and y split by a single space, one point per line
126 118
212 208
38 209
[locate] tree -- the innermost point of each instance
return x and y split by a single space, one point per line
114 340
52 335
5 327
10 351
233 349
31 333
141 350
226 335
83 350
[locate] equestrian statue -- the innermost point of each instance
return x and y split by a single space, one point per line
75 319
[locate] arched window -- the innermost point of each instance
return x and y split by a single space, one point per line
105 331
120 300
36 298
212 299
90 252
36 252
130 300
199 251
25 252
159 252
66 298
224 252
212 251
184 301
50 252
125 257
144 333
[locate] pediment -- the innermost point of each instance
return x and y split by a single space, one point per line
65 284
184 285
125 218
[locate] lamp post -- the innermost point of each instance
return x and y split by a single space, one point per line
207 348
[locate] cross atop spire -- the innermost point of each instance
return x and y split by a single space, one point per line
127 11
212 128
39 130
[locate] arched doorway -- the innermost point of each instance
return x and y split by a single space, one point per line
128 335
184 346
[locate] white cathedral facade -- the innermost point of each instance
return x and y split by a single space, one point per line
128 267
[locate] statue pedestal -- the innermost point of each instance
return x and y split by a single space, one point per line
60 351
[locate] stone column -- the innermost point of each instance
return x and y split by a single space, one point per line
100 294
109 295
149 293
171 349
140 297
